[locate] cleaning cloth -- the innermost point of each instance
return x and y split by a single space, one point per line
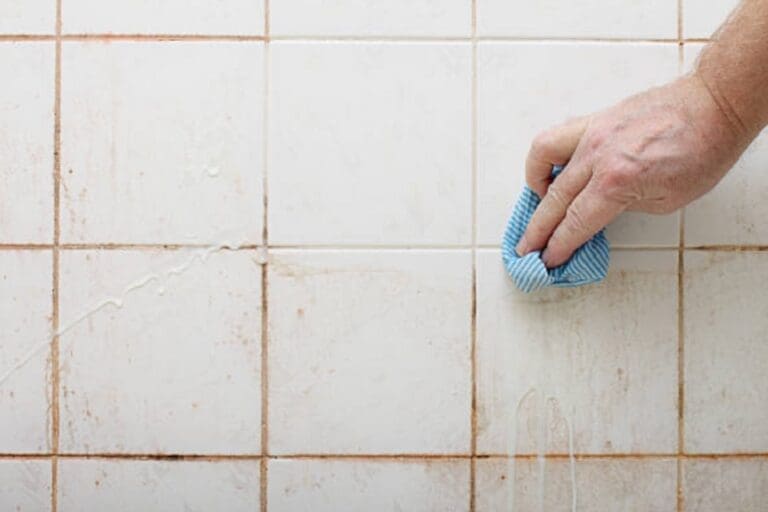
588 264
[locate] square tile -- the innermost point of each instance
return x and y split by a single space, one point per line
365 18
240 17
162 352
162 142
369 352
370 143
26 142
519 95
587 370
355 485
725 484
587 485
25 331
130 485
734 212
25 486
726 354
27 17
701 18
580 18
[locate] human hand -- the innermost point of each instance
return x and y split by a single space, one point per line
654 152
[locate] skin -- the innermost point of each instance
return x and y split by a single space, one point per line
656 151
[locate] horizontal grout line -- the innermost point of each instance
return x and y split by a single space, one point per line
342 247
392 457
338 38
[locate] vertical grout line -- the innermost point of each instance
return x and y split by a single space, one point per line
265 273
680 303
473 312
55 271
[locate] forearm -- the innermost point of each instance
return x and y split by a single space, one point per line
734 67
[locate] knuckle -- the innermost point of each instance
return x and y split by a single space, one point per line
616 178
575 223
557 196
543 143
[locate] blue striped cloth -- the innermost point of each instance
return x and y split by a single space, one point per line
588 264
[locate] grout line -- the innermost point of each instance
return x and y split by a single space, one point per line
343 247
106 37
374 456
680 304
161 37
152 247
263 467
55 340
473 310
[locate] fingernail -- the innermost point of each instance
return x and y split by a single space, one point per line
522 247
545 257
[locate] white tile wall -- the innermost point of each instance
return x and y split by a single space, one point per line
373 349
130 485
26 142
384 143
25 328
701 18
240 17
524 88
27 17
162 142
593 485
726 356
734 212
390 122
188 342
725 484
362 17
25 485
578 18
590 370
350 486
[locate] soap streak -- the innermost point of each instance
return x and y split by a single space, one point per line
118 302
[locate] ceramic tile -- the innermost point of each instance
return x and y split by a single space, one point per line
519 95
360 17
172 363
589 370
725 484
587 485
734 212
25 328
369 352
240 17
161 142
726 357
581 18
701 18
27 17
350 485
26 142
370 143
129 485
25 486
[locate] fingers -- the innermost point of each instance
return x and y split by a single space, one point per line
553 206
590 212
552 147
